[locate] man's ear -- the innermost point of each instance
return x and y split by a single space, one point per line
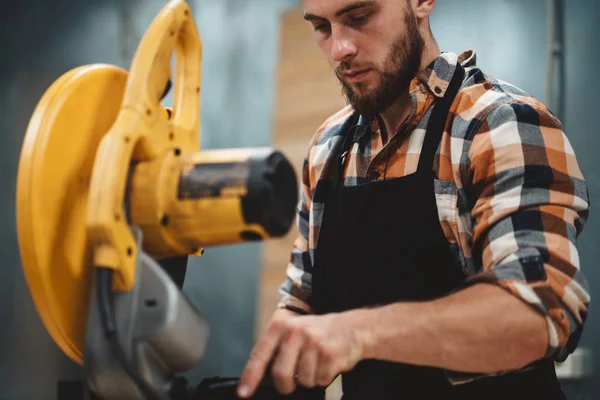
424 8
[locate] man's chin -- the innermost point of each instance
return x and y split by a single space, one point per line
365 88
364 106
362 97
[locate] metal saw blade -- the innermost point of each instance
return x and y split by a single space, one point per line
53 180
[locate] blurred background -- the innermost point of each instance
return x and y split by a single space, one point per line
265 82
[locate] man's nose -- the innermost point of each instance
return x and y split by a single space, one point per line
342 48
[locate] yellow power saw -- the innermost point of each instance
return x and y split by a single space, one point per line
110 183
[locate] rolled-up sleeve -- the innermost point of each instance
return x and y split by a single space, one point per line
529 204
296 289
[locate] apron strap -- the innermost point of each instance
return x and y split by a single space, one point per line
347 129
432 137
437 123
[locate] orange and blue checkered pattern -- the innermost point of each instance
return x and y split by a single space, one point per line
511 197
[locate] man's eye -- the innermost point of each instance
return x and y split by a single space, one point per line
359 20
322 27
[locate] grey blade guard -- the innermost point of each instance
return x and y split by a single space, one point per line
161 333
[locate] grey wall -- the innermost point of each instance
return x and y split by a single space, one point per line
40 41
581 110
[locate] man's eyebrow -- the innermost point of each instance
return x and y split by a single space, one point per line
347 9
354 6
312 17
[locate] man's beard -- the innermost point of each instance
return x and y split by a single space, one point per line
399 69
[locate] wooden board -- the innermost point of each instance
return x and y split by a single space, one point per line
307 93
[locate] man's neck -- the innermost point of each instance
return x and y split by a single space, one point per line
400 109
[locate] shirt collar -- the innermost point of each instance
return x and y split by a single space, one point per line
436 77
362 127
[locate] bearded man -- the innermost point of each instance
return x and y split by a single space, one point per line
437 254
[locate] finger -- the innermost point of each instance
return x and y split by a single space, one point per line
259 359
326 370
286 361
307 367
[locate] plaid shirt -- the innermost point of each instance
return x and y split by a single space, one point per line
511 198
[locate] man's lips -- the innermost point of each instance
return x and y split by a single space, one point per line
357 75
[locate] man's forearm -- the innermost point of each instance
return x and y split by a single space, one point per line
481 329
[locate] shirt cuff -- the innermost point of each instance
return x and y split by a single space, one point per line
563 330
294 304
540 296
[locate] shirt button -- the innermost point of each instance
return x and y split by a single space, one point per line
438 89
375 175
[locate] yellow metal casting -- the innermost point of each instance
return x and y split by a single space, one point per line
191 223
142 132
101 153
52 196
85 132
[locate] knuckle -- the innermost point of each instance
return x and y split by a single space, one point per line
285 328
324 379
295 331
277 373
284 382
289 388
286 388
306 374
281 373
276 325
327 354
306 380
311 338
304 368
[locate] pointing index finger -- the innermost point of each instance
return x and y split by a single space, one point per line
257 364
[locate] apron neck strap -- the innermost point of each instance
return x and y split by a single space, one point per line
437 123
348 129
432 139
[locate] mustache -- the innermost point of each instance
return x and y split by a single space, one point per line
346 66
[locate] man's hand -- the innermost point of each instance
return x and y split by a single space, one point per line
309 350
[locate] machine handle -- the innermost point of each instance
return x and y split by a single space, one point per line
142 131
173 30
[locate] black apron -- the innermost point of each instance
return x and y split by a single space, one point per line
382 242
